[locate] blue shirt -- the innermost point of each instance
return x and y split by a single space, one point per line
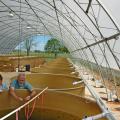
3 87
15 84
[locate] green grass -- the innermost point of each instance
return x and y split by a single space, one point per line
47 56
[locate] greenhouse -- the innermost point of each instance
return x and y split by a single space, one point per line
74 74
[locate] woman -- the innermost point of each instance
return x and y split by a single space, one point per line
3 86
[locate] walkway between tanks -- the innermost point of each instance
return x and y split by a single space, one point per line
114 107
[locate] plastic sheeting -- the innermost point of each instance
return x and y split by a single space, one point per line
84 26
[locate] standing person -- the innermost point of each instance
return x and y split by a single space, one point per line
21 83
3 86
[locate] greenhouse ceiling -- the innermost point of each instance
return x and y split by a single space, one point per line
85 27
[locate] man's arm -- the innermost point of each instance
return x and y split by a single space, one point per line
32 91
12 92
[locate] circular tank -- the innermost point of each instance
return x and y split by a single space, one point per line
55 82
63 65
55 71
53 106
59 62
57 66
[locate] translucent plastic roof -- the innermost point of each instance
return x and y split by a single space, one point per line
85 27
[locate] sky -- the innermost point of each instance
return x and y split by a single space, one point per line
40 41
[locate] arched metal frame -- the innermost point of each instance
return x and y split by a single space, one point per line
84 26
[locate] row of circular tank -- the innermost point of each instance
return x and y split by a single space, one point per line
62 101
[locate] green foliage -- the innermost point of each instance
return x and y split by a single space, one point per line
54 46
64 49
37 51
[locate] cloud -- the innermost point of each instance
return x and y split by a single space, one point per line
40 41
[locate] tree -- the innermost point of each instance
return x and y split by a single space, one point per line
54 46
64 49
28 44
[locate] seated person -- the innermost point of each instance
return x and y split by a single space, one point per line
3 86
21 83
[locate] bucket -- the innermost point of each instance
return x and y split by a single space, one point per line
27 67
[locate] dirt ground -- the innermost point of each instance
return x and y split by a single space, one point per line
114 107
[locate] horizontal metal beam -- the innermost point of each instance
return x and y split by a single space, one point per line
98 42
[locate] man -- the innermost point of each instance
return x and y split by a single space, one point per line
3 86
21 83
